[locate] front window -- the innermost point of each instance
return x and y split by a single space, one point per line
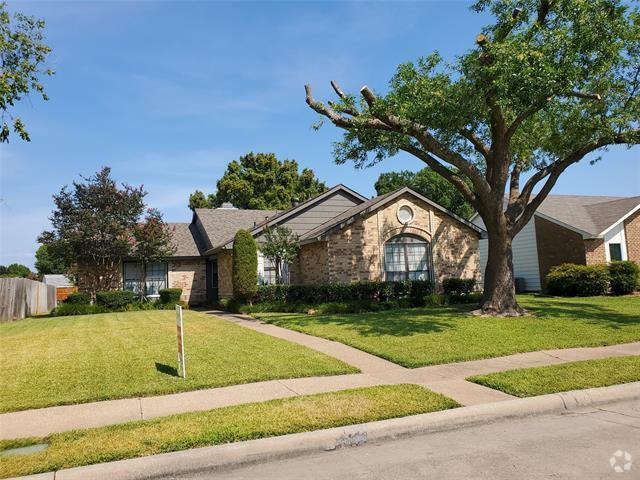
407 257
267 271
156 277
615 252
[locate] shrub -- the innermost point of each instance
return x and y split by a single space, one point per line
79 298
170 295
115 299
625 277
466 298
570 280
413 290
458 286
66 309
244 267
168 306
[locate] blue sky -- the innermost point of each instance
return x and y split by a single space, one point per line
167 93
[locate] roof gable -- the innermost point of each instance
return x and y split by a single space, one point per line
375 203
283 217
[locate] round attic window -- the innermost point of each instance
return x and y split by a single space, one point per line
405 214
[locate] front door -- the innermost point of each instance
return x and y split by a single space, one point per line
212 280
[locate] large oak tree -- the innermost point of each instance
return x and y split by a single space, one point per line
548 83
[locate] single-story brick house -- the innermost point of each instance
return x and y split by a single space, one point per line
580 229
343 237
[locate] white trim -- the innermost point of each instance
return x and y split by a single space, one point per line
631 212
616 237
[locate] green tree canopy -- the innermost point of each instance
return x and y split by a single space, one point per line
15 270
244 266
261 181
547 83
50 260
428 183
23 52
95 219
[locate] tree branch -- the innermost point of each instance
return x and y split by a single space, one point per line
543 10
478 144
523 210
587 96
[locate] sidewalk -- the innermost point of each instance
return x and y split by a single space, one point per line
447 379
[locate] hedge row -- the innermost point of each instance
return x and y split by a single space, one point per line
344 292
571 280
117 301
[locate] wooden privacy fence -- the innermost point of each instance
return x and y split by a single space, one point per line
21 297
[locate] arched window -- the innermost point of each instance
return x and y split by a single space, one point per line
407 257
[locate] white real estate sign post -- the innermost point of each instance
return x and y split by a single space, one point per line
180 327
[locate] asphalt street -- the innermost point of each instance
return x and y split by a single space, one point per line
597 443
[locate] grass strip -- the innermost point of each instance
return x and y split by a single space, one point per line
529 382
222 425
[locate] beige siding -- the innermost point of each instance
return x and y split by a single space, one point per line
190 276
225 285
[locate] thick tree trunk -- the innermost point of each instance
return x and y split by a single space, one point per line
499 285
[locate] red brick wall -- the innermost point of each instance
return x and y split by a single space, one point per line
556 245
632 236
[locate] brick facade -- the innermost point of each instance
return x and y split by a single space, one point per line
556 245
190 276
357 251
311 265
632 237
594 251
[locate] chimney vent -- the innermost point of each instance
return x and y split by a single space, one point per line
228 206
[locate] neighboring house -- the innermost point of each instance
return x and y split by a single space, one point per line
64 285
578 229
343 237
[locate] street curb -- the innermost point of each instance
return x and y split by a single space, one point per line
287 446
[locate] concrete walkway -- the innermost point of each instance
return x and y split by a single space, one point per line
447 379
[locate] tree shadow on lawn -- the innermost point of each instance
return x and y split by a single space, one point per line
398 323
166 369
583 310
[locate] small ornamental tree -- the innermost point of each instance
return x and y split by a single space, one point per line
547 83
244 267
281 247
94 220
151 241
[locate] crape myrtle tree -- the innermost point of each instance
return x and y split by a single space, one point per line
95 219
281 247
548 83
151 241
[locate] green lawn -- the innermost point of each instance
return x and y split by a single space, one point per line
224 425
529 382
64 360
433 335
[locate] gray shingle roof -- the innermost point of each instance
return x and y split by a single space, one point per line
221 224
590 214
185 239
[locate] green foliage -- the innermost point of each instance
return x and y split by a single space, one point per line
23 52
458 286
170 295
79 298
625 277
49 260
431 185
281 247
152 241
115 300
344 292
16 270
66 309
570 280
261 181
94 222
244 269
